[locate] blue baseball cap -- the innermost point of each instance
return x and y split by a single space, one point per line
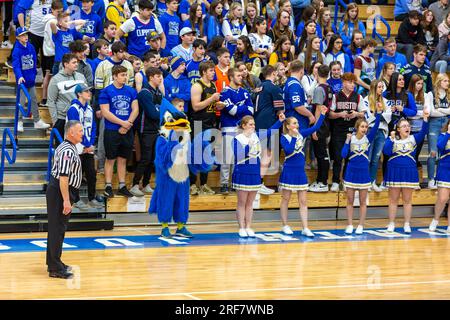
81 88
21 30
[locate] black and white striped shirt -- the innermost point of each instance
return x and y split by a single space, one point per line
67 163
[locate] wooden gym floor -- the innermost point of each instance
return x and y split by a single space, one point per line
381 269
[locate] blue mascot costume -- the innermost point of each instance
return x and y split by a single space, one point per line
175 155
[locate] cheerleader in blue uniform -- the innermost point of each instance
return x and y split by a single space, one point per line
357 176
401 176
293 176
247 170
442 178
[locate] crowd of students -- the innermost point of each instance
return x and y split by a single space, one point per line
246 68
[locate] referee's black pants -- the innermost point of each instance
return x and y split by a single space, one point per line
57 223
59 125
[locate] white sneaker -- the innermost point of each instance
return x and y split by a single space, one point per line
265 190
432 184
20 126
391 227
407 228
243 233
448 229
382 186
148 189
359 229
135 191
433 225
312 185
334 187
349 229
375 187
307 232
320 187
287 230
41 125
250 232
7 45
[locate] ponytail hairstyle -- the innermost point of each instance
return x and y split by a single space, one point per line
397 127
244 121
359 122
286 123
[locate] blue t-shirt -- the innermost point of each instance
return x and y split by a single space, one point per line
161 8
294 96
185 6
193 70
171 26
119 101
62 39
335 85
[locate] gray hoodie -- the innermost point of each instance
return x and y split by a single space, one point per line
61 92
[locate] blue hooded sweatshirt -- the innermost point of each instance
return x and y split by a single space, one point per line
24 63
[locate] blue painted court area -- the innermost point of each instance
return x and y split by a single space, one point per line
216 239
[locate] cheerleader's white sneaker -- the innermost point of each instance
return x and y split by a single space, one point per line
287 230
335 187
243 233
349 229
407 228
359 229
391 227
448 229
375 187
307 232
433 225
432 184
250 232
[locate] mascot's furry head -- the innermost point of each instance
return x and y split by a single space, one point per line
172 119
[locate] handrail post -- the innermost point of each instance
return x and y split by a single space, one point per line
5 154
51 150
374 30
336 10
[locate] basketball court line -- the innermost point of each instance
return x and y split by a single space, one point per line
193 294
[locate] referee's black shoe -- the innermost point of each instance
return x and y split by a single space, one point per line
125 192
60 274
66 268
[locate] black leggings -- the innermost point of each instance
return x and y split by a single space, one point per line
323 161
8 18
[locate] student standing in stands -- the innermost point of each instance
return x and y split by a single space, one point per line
282 52
402 176
371 102
198 56
115 12
418 66
119 105
410 34
139 27
204 99
93 27
442 178
293 177
171 25
24 63
335 52
357 177
439 113
347 106
237 105
234 26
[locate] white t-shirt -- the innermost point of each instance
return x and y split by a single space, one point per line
39 10
258 43
49 45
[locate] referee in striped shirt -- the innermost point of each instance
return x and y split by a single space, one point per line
62 192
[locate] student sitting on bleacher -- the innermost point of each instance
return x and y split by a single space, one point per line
409 34
440 61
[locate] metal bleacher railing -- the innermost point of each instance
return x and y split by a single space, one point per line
336 11
6 154
20 108
51 151
375 34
